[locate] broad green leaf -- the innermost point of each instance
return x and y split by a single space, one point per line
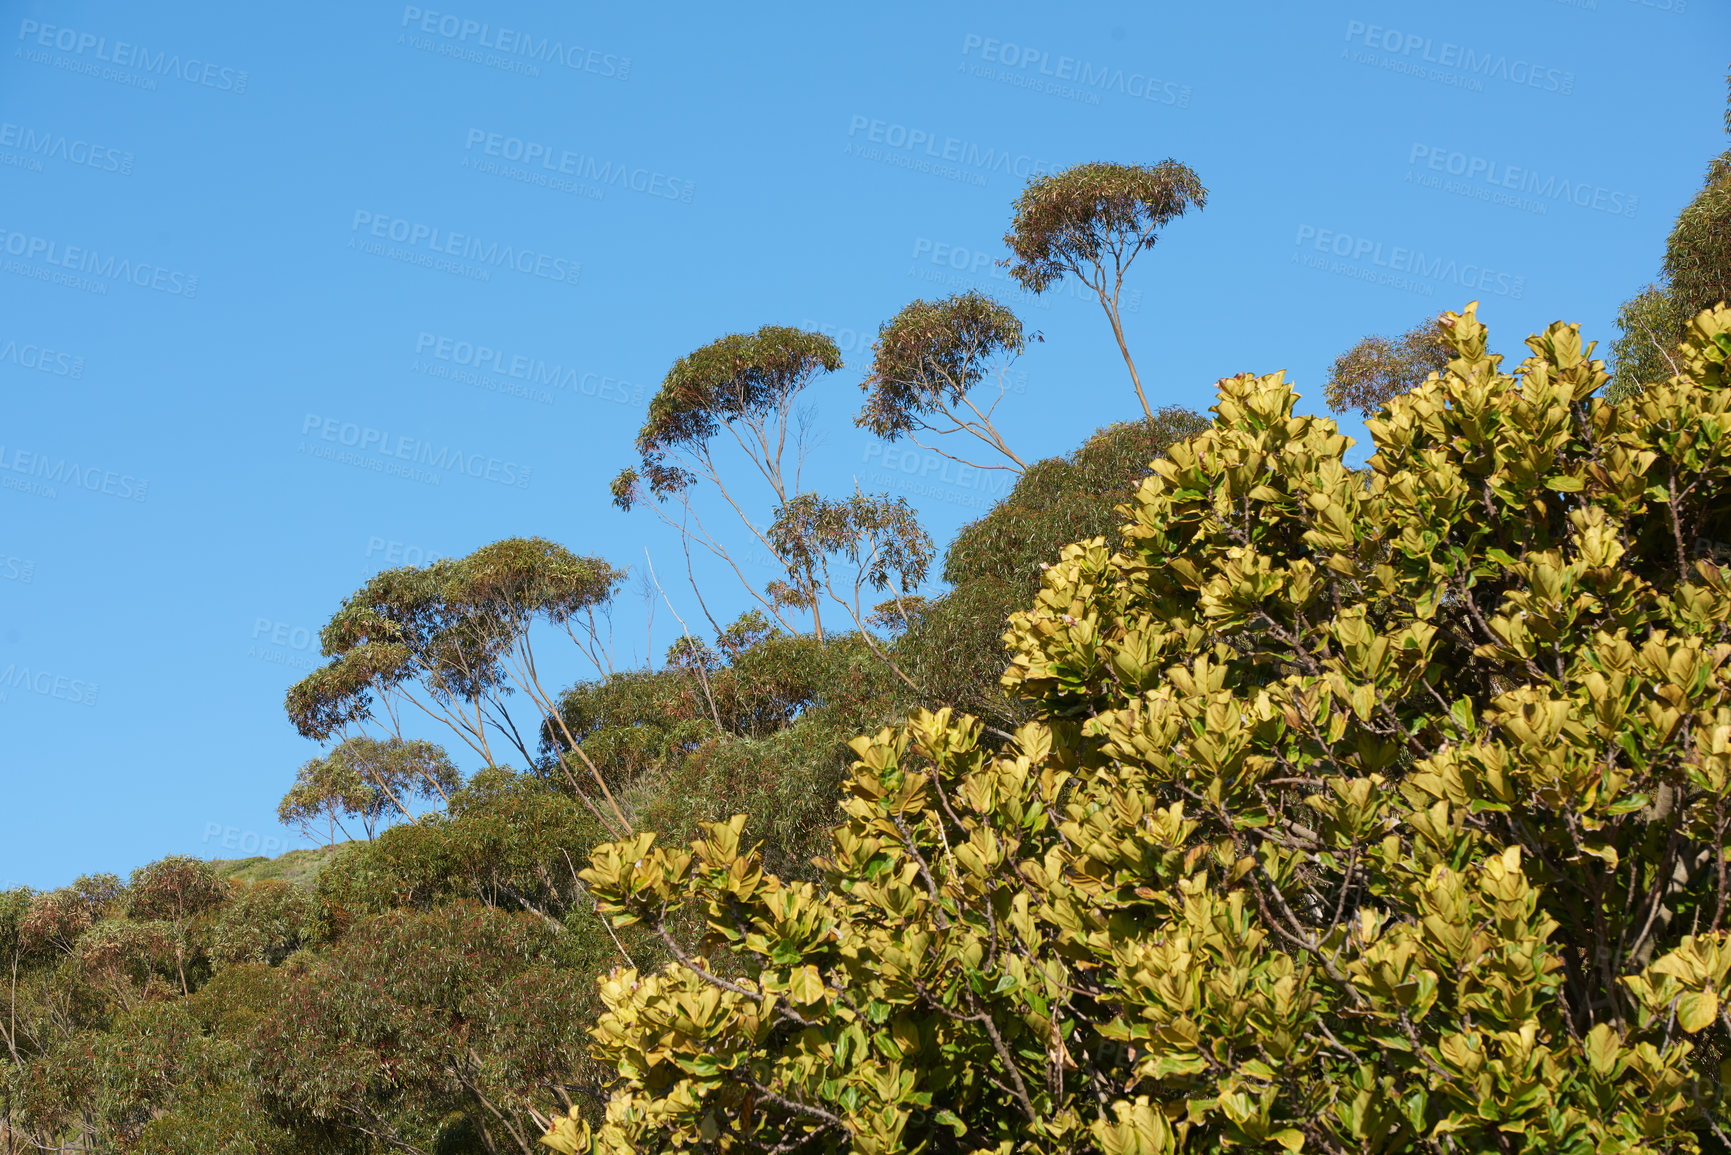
805 985
1697 1010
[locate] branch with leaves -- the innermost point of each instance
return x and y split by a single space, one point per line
880 537
927 364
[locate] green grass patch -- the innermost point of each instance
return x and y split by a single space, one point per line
296 867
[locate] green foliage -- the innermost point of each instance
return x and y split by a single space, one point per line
123 959
789 705
1647 324
953 645
449 628
1065 499
454 1009
748 384
630 723
179 893
1365 814
879 536
1371 373
265 922
1698 251
175 889
222 1120
1070 222
926 361
761 680
452 641
368 779
743 378
14 908
1090 222
52 923
100 892
758 721
509 840
430 988
117 1036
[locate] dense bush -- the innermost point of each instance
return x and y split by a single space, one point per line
1354 814
265 922
454 1010
431 988
954 646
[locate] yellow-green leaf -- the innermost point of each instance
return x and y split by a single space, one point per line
805 985
1697 1010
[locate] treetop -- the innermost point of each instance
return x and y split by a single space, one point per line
1072 218
739 375
933 352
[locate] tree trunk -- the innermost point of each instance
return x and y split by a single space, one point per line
1118 332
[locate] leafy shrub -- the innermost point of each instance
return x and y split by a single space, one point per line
120 956
175 889
220 1121
453 1009
954 646
53 922
510 840
1354 814
264 922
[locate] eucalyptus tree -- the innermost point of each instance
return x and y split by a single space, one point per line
174 891
927 363
740 391
880 539
1090 222
453 640
1375 370
367 779
449 1029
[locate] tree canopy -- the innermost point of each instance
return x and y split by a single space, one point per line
744 383
1373 372
926 361
367 779
452 641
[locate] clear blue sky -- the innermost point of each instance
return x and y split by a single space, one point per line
232 230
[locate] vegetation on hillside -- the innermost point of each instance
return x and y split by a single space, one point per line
1217 796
